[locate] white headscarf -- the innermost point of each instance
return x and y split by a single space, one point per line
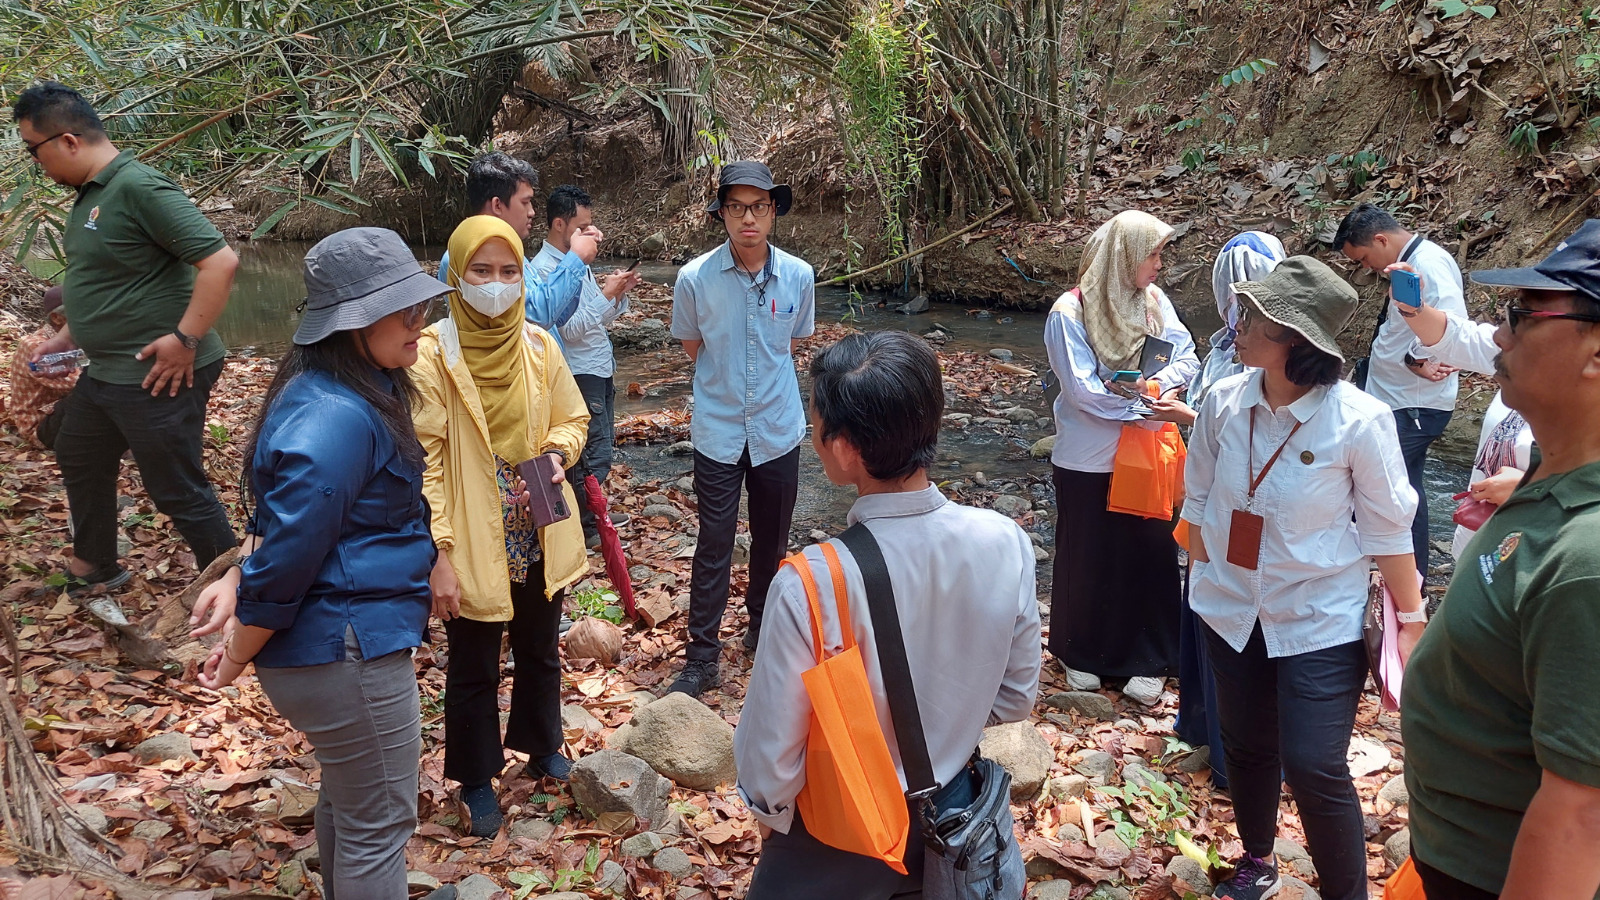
1247 257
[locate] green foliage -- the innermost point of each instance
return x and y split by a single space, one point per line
876 70
218 433
1524 139
1449 9
1157 809
1250 71
599 604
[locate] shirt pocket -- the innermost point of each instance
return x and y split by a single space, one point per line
401 492
1315 498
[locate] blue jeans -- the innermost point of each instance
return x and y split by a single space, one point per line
1419 428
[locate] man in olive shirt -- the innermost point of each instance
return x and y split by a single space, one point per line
147 277
1501 706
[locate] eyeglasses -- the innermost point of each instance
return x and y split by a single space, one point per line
1245 319
33 149
416 316
1516 315
737 210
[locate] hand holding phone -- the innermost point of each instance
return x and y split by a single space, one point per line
1406 288
634 264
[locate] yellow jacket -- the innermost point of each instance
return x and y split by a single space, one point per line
460 484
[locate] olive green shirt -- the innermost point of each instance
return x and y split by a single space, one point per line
1505 683
132 240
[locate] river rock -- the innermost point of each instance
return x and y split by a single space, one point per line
1195 761
1137 773
1020 415
1295 889
958 419
151 830
685 484
92 817
654 244
1068 787
1001 354
612 878
611 785
670 513
1288 851
642 845
536 830
1397 847
618 740
741 549
575 718
681 448
1367 756
1055 889
476 886
418 880
681 738
1023 752
1012 505
645 334
291 878
1188 876
1096 765
1084 703
1043 447
674 862
164 747
918 304
1394 791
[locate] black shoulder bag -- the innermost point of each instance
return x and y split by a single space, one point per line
972 851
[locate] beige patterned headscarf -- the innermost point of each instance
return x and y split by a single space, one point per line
1116 314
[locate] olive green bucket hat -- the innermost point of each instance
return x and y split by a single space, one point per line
1302 293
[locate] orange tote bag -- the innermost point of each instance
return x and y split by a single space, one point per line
1404 884
1147 473
852 798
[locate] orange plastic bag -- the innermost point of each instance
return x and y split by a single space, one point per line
1147 474
1404 884
852 798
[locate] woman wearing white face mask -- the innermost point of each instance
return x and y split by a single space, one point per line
496 392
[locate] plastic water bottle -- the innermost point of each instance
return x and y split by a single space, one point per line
59 363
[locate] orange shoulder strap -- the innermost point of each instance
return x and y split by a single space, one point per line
841 594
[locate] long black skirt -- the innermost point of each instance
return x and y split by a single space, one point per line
1118 589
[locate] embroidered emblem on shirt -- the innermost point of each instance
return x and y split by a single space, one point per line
93 214
1489 562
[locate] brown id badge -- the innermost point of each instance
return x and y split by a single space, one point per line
1244 539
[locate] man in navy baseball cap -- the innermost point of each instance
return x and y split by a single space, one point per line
1501 707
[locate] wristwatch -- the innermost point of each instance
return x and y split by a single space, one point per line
189 341
1412 618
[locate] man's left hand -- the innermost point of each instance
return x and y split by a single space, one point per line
619 282
1433 370
173 368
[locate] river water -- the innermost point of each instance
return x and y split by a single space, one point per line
260 319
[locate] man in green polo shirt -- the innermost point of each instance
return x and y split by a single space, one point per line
1501 706
147 277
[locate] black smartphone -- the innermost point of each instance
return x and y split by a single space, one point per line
635 264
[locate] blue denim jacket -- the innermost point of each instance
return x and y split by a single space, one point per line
344 531
746 393
550 299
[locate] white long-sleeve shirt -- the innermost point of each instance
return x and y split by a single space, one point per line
1388 377
584 340
1089 416
1338 495
964 590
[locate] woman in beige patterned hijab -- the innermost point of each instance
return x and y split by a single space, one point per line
1120 305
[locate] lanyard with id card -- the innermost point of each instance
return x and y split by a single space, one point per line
1244 532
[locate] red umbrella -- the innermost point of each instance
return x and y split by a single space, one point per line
610 545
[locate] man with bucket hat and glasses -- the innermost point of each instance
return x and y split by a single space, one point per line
740 310
1501 704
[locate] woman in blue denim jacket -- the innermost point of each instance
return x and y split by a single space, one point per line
331 595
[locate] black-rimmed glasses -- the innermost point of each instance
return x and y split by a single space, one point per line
33 149
761 209
1516 315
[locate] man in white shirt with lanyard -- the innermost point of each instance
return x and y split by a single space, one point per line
1401 371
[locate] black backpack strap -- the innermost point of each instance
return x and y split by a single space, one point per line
920 783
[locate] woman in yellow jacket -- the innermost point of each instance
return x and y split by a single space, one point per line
495 392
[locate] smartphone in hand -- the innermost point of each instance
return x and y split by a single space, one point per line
1406 288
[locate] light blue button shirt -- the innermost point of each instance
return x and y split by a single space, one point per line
551 298
584 340
746 393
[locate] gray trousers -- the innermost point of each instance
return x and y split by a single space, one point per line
364 720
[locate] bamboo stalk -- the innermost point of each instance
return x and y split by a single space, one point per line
851 276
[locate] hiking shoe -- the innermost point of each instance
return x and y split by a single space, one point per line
483 808
591 541
108 577
565 624
1144 689
553 766
1255 879
752 637
619 519
697 677
1081 681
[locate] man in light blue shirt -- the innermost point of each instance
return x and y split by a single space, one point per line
502 186
740 311
584 339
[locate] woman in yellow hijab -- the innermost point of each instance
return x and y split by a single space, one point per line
496 392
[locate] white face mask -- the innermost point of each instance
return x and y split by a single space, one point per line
491 299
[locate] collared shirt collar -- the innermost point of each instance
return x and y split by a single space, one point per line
897 504
1573 490
729 262
104 176
1302 409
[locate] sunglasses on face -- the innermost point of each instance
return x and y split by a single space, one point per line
33 149
1515 316
761 209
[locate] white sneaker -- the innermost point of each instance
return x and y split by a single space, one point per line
1082 681
1144 689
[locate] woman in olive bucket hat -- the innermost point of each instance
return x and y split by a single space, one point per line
331 594
1294 480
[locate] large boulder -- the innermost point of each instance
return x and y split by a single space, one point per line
1023 752
645 334
684 740
620 791
1085 703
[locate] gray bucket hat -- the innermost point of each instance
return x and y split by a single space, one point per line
356 277
1302 293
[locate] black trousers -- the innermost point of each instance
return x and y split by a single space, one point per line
600 395
772 486
166 434
473 751
1418 429
1439 886
1291 717
797 866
